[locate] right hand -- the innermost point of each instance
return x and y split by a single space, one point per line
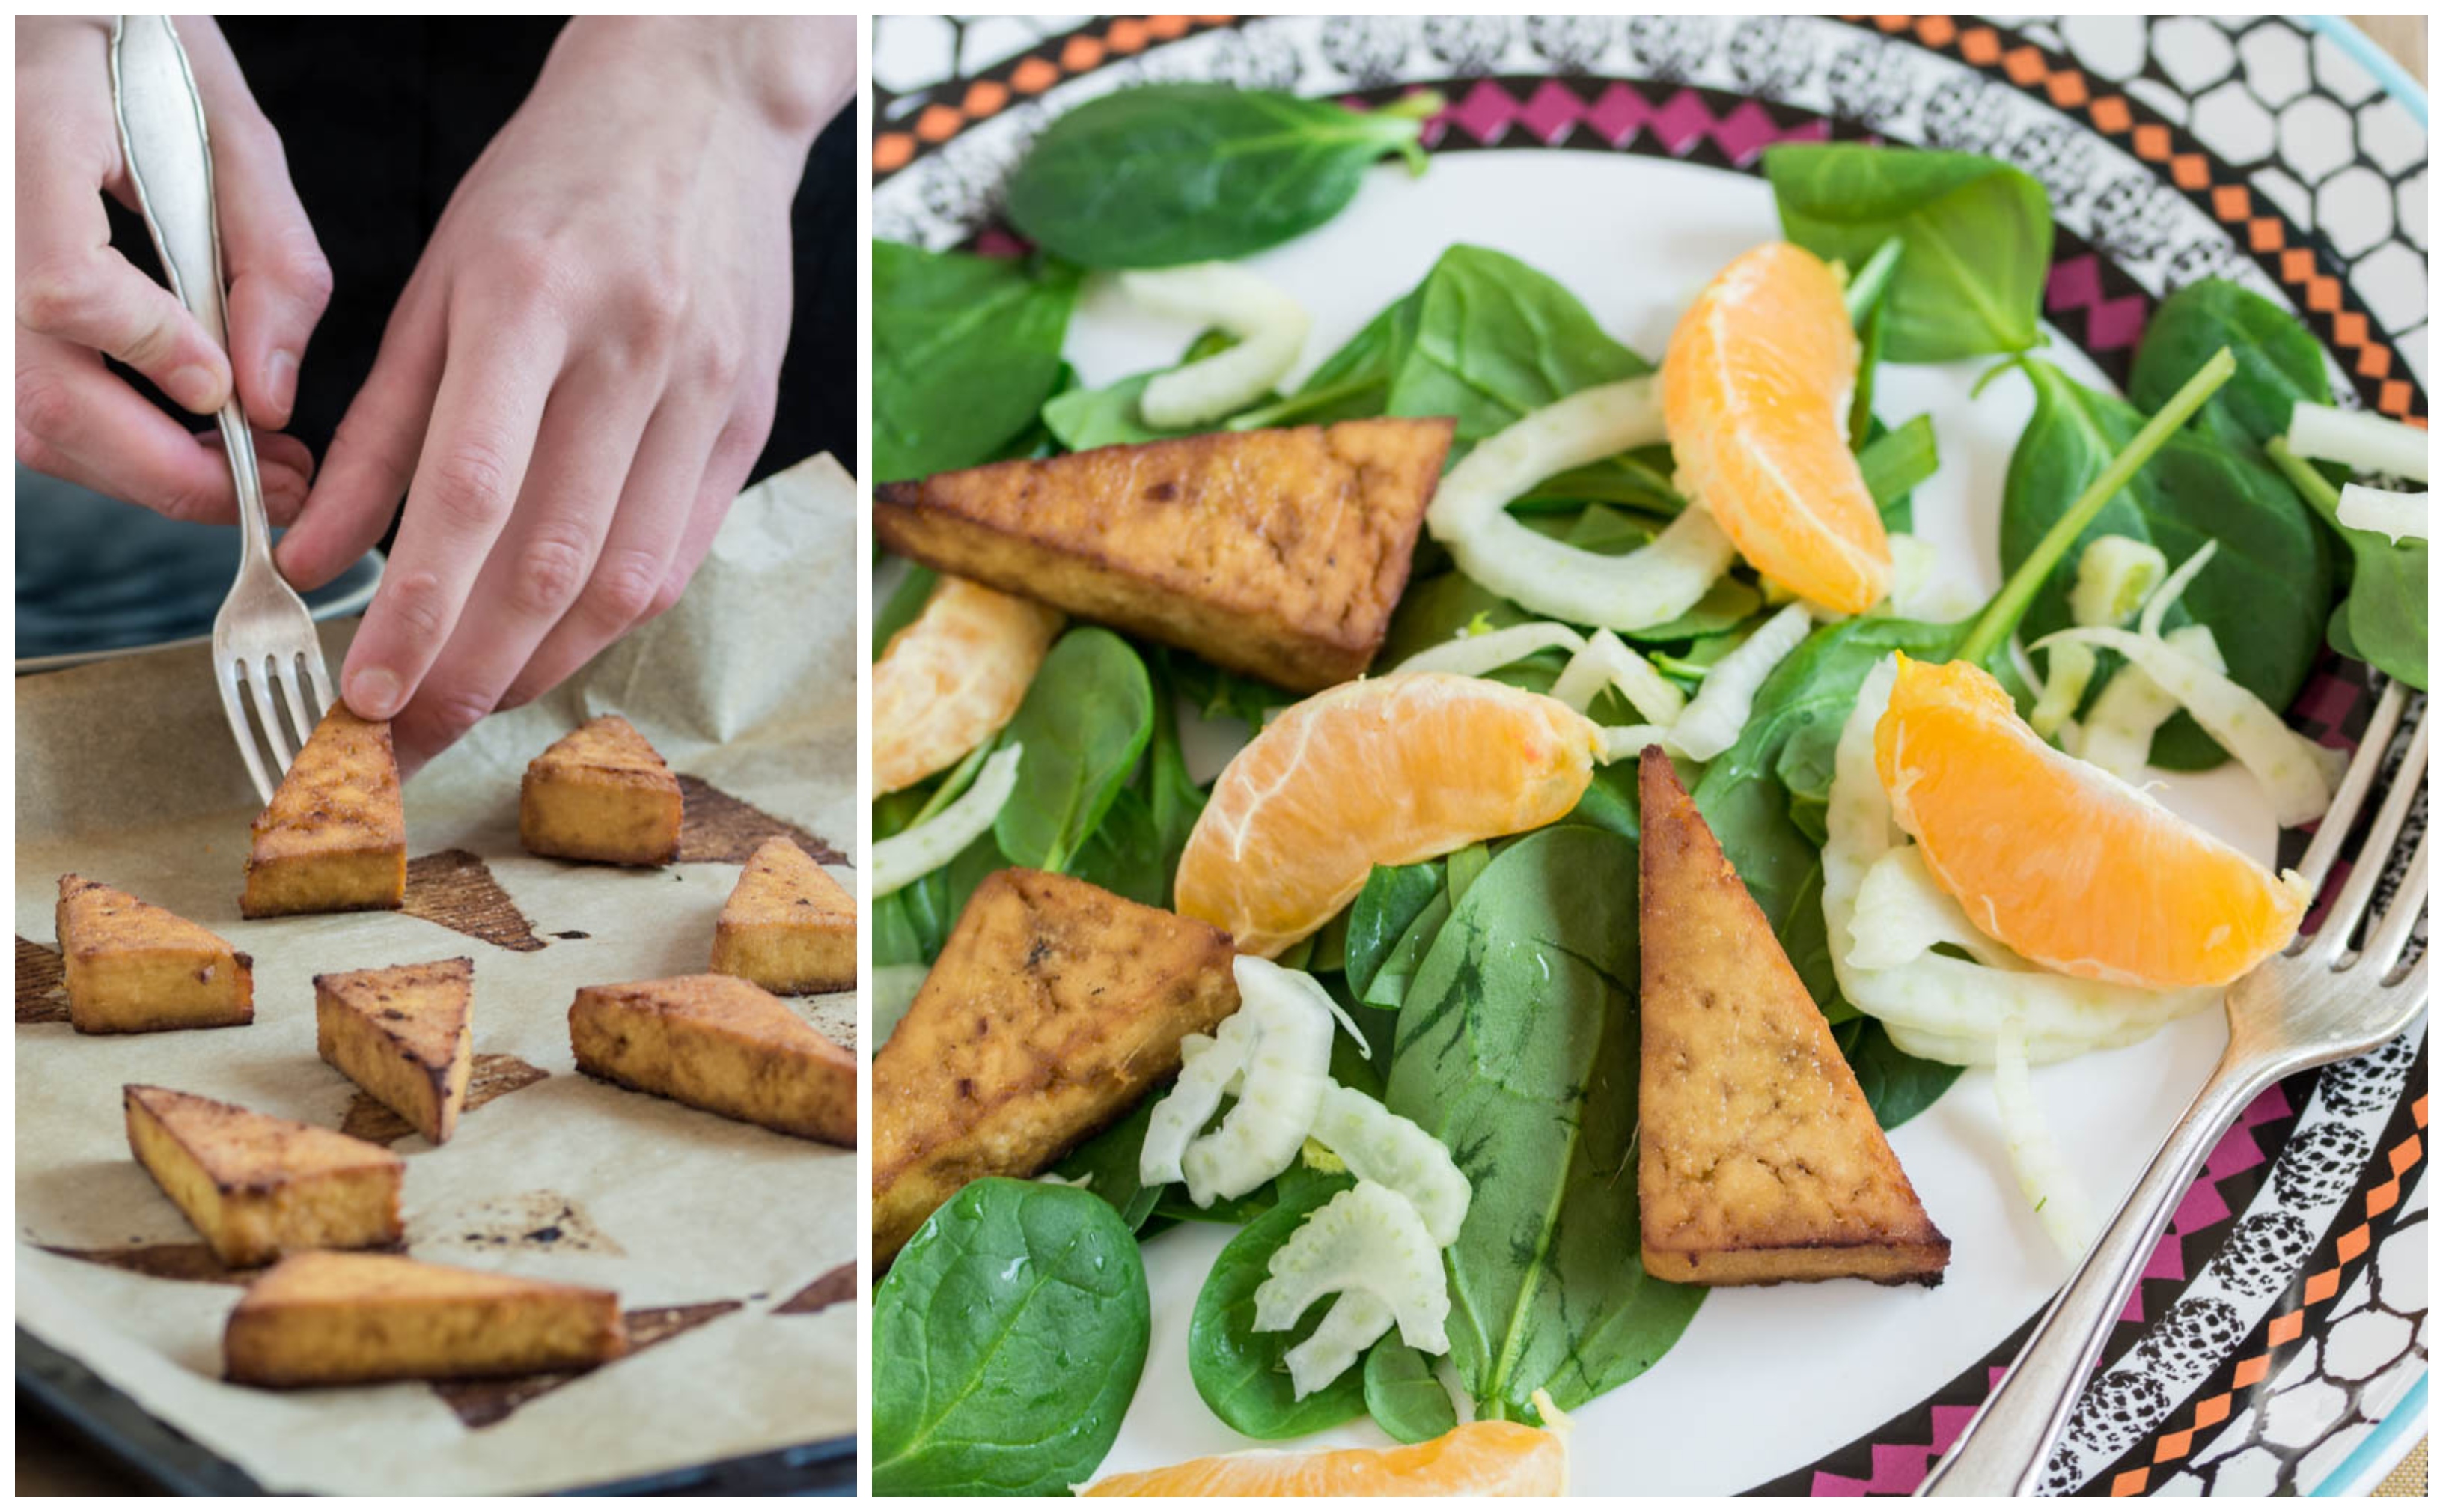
78 301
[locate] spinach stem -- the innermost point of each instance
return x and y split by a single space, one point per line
2313 485
958 781
1865 294
1297 404
1993 628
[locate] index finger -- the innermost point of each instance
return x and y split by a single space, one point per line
494 380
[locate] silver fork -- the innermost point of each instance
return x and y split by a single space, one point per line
262 638
2317 1002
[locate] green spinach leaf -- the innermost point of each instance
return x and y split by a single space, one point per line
1108 1164
1976 234
1241 1372
2382 622
1390 901
1407 1400
965 351
1518 1051
1894 463
1191 172
1898 1085
1086 720
2279 362
1490 338
1007 1341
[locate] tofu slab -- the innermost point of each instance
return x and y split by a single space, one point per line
1758 1158
327 1320
1053 1009
1278 553
334 838
720 1043
132 967
788 927
257 1187
601 793
405 1034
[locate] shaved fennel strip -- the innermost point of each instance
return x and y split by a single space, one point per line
2361 441
1270 328
1369 1238
2120 733
1380 1145
1937 1007
1714 718
2116 576
2067 671
2400 516
912 853
1350 1327
1920 589
2159 604
1475 655
1606 660
1903 912
2298 774
1207 1068
1656 582
1288 1066
1625 742
2045 1178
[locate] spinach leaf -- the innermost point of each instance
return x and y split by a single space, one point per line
1191 172
1898 1085
1007 1341
2382 622
1087 719
1389 987
2279 362
2264 594
1350 384
1407 1400
1976 234
965 351
1082 419
1894 463
1490 338
1135 851
1219 693
1518 1051
1108 1164
1238 1372
1390 901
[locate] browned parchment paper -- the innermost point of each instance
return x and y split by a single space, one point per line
723 1239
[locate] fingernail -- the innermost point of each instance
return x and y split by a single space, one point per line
196 388
281 372
374 693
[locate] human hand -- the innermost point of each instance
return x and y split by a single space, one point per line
581 372
78 300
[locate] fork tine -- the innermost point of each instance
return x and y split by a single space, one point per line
2326 847
312 655
2391 938
258 680
231 706
2333 937
288 680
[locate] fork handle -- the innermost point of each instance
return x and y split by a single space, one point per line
2004 1448
169 162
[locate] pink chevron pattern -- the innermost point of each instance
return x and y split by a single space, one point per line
2077 283
1897 1468
1489 112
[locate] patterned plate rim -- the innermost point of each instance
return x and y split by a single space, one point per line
922 122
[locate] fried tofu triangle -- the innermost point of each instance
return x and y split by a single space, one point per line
1055 1006
133 967
1758 1159
601 793
328 1319
257 1187
405 1034
720 1043
1277 553
334 835
787 926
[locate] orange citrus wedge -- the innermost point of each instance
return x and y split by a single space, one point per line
1475 1459
952 677
1756 398
2062 861
1385 771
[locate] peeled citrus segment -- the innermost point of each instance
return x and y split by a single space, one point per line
2064 863
952 678
1756 395
1385 772
1491 1458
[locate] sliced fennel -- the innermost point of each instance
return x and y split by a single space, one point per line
2159 604
2400 516
1378 1145
2298 774
1288 1066
1269 326
1474 655
2067 671
1209 1069
1605 660
2121 732
1920 589
1368 1239
1625 742
1350 1327
2362 442
1714 718
1903 912
1656 582
914 852
2115 575
2045 1178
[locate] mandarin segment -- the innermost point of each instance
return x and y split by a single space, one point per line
2062 861
1757 385
952 677
1487 1458
1382 772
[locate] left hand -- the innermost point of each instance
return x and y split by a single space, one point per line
580 372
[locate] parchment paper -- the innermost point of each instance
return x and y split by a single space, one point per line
126 773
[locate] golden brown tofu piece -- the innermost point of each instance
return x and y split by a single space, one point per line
601 793
325 1320
1277 553
787 926
405 1034
1758 1158
335 837
257 1187
1055 1006
132 967
720 1043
